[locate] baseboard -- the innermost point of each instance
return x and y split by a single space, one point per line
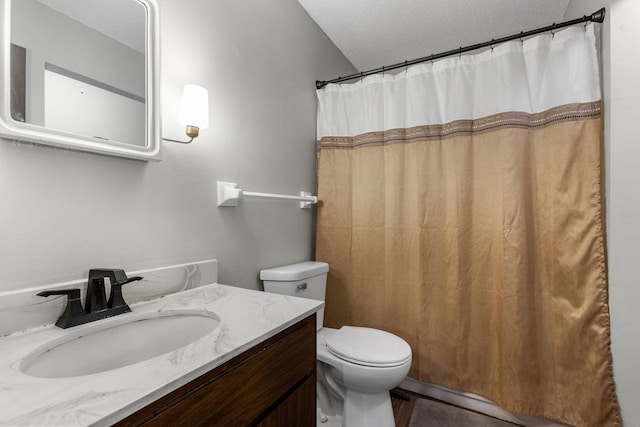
475 403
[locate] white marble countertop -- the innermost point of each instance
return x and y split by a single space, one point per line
247 318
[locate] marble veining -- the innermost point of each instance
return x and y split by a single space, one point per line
247 318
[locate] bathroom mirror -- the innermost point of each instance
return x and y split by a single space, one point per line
81 74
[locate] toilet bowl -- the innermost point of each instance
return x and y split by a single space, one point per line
356 366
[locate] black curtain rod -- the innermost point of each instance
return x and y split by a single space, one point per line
594 17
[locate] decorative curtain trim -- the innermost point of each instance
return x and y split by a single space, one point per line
534 76
563 113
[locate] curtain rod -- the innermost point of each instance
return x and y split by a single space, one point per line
594 17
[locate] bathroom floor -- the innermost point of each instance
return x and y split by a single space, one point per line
402 409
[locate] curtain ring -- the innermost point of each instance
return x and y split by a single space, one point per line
432 59
406 69
383 71
521 40
460 53
361 76
553 27
492 45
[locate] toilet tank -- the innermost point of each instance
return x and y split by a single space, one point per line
305 279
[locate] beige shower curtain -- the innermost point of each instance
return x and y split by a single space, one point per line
481 243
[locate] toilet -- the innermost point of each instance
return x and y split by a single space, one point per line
356 366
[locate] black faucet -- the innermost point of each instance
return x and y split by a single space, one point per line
96 299
96 305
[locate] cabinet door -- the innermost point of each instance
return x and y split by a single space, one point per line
295 411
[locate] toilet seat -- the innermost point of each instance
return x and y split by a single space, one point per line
368 347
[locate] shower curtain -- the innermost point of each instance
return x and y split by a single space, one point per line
461 209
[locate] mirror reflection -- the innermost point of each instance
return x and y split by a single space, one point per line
78 66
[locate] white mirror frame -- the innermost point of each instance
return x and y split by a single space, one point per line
14 130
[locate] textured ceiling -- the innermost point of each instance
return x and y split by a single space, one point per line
122 20
373 33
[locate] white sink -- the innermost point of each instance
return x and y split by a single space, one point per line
116 342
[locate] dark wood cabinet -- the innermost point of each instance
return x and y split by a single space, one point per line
294 410
271 384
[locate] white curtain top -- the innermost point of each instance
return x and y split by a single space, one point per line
528 76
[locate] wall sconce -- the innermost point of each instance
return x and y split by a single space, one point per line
194 111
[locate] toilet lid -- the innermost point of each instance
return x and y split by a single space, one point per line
367 346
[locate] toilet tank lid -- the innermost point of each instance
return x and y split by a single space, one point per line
293 272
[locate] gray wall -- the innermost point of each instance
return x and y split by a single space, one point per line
63 212
621 68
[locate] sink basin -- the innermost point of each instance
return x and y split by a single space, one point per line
117 342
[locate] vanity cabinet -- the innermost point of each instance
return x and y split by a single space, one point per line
271 384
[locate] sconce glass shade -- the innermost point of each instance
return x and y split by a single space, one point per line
194 108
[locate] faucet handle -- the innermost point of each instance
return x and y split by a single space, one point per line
116 299
72 311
